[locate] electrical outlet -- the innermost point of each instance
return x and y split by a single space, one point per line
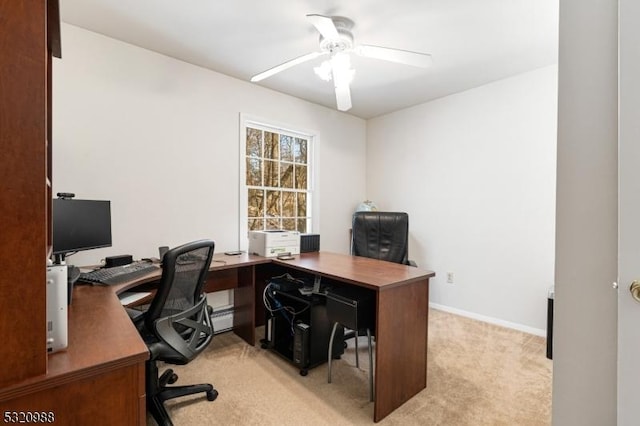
450 277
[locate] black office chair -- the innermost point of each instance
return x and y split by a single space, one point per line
378 235
177 325
381 235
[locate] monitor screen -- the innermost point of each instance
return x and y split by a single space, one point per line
80 225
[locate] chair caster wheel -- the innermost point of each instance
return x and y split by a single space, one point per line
212 395
172 379
304 372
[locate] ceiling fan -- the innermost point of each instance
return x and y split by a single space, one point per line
336 41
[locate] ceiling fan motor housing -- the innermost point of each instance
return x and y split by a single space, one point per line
345 36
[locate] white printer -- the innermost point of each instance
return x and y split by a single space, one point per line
274 243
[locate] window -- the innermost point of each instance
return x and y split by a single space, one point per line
277 178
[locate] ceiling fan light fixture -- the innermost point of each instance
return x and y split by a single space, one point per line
338 68
323 71
341 67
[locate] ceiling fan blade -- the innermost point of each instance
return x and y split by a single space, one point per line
407 57
342 76
286 65
343 98
325 26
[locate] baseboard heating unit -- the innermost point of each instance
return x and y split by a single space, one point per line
222 318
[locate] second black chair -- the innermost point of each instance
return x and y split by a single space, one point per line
381 235
177 326
353 308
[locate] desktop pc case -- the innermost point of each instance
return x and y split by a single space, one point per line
57 289
305 342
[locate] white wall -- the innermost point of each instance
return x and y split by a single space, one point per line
476 173
160 139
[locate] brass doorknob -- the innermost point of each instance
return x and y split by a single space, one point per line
635 290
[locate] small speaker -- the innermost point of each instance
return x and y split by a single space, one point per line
162 250
309 243
111 261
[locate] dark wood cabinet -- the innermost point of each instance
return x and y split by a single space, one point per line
101 374
29 28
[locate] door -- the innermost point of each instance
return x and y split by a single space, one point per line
629 212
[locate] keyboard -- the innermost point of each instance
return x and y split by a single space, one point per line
118 274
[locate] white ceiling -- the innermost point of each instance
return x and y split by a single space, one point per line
473 42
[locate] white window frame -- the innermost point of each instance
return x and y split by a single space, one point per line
312 171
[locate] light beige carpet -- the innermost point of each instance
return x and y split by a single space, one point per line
477 374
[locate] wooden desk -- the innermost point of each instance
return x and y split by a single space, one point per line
99 377
402 299
101 374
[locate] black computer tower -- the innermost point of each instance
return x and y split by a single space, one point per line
303 338
301 350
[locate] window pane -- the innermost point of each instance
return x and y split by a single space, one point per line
271 173
254 142
302 204
289 224
254 171
256 203
289 204
286 148
300 150
273 204
301 177
286 175
256 224
273 223
302 225
271 146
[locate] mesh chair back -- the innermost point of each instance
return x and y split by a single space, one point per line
178 313
381 235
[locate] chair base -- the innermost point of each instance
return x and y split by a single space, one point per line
158 392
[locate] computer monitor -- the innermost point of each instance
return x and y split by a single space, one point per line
80 225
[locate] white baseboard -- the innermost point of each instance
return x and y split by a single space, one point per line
490 320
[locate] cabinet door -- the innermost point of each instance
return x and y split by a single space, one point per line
23 198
